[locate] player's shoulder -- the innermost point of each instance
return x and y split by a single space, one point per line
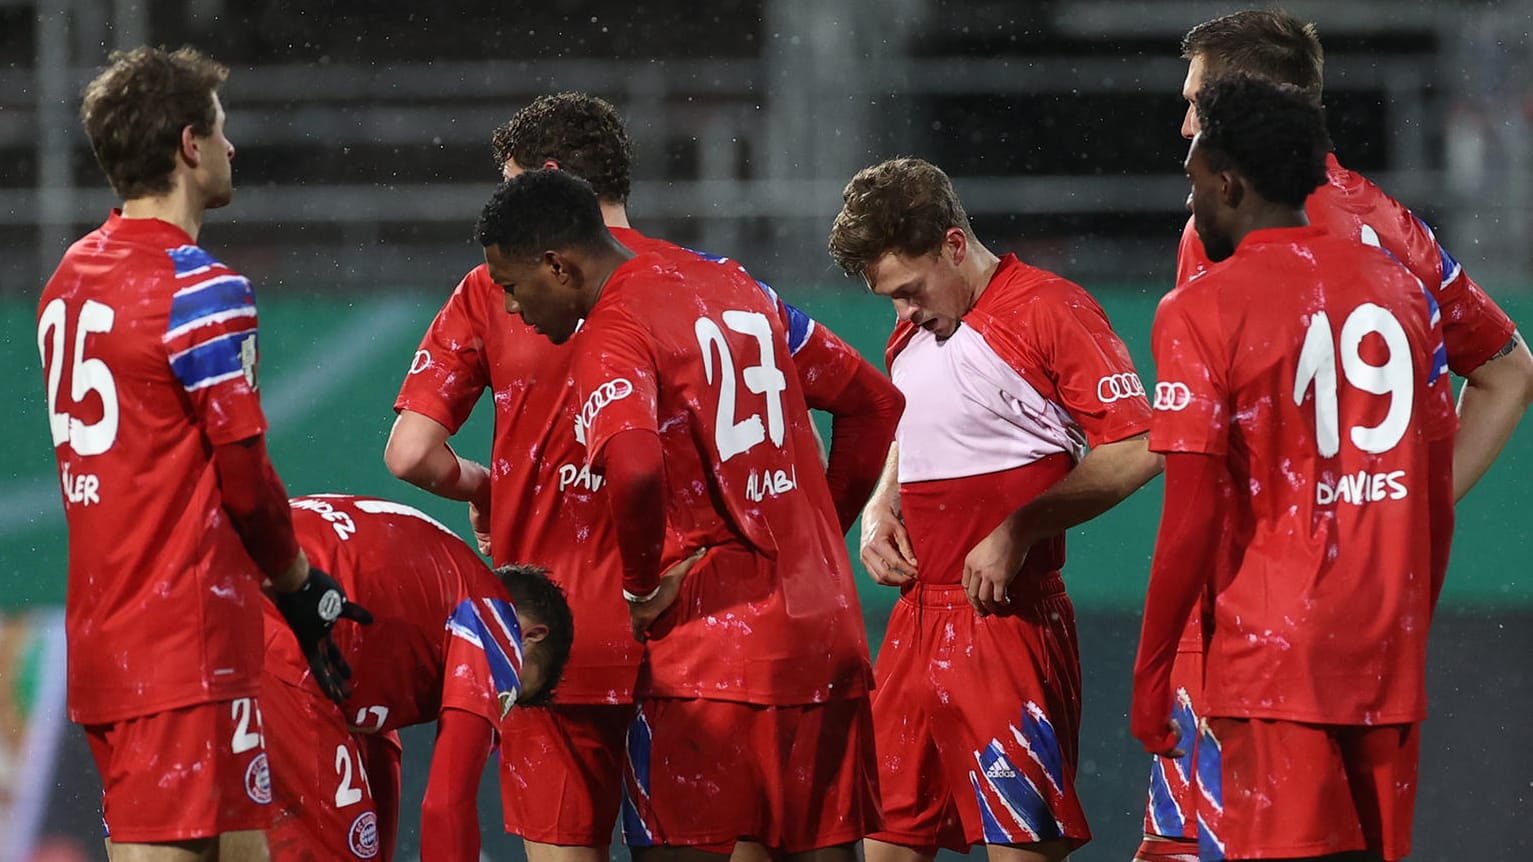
1018 288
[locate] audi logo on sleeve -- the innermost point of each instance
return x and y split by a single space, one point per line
1116 387
605 394
1172 396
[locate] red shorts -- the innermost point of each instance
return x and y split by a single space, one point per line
1286 789
324 806
187 773
705 773
1171 811
561 772
977 720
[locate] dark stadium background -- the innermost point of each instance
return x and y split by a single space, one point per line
362 133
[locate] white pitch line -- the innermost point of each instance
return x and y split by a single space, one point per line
36 503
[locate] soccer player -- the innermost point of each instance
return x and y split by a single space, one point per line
1483 344
753 723
547 506
451 643
1304 409
1008 373
175 513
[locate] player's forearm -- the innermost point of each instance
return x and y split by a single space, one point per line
1103 479
634 470
1493 401
863 427
256 501
886 494
449 812
418 452
1186 548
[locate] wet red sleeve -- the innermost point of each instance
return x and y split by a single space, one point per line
865 415
450 811
381 753
1440 501
634 467
256 502
1185 550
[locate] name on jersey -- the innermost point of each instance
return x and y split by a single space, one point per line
770 483
580 476
612 390
80 489
341 522
1362 487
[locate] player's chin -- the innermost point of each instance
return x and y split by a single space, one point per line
220 199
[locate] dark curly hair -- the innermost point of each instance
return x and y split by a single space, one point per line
1271 133
542 601
903 205
135 109
541 210
581 132
1267 43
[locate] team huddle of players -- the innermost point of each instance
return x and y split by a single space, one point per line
667 539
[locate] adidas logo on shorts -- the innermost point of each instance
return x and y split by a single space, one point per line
1000 769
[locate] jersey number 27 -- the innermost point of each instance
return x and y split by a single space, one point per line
736 438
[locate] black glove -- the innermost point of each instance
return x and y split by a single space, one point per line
311 611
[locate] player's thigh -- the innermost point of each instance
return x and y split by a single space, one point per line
242 846
1282 792
223 783
538 852
838 853
1042 851
561 775
915 797
1006 720
1171 806
324 808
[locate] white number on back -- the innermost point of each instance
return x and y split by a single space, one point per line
735 438
87 375
1395 378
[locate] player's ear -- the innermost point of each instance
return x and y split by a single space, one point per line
533 632
957 243
557 264
1232 189
551 164
188 151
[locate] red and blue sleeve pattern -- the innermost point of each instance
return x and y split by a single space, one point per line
484 658
211 342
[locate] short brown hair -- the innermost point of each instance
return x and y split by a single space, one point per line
904 205
1269 44
581 132
135 109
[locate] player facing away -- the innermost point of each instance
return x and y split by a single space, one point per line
452 642
1304 409
753 724
1482 342
175 513
1008 372
549 508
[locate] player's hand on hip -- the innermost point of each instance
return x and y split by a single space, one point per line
885 547
479 521
642 615
990 568
311 611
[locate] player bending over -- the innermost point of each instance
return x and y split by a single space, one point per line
452 642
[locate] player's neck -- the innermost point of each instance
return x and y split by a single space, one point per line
1271 217
978 267
615 214
175 206
601 267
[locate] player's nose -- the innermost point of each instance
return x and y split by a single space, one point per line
905 310
1190 122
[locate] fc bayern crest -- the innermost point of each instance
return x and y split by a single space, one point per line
363 836
258 780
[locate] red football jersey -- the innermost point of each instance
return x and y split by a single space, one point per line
149 358
546 508
1003 409
1348 205
1313 365
772 616
433 601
